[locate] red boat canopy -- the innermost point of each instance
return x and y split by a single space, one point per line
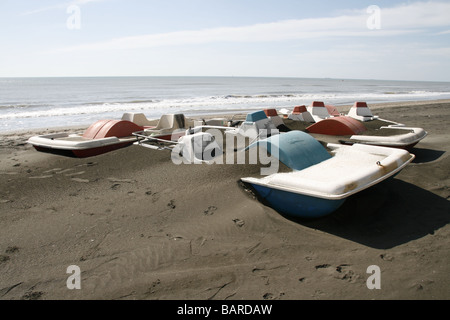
299 110
360 105
332 110
271 112
318 104
337 126
111 128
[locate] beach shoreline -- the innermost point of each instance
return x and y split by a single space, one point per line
344 109
140 227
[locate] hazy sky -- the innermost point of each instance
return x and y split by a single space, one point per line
403 40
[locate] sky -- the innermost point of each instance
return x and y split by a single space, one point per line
376 39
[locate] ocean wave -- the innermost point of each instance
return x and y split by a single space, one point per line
12 105
225 102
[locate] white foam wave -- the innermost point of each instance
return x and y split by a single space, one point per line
216 102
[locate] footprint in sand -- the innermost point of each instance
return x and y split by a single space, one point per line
325 268
210 211
155 197
32 295
10 250
342 272
271 296
345 272
268 296
115 186
386 257
171 204
154 286
240 223
322 266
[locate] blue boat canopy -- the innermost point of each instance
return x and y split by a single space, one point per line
296 149
256 116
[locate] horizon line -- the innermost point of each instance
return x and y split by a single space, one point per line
219 76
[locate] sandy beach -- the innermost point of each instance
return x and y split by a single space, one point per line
140 227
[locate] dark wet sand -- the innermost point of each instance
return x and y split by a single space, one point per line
140 227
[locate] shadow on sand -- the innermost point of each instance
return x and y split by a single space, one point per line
387 215
426 155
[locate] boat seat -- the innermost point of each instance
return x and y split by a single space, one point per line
261 121
296 149
139 118
284 112
169 122
301 114
111 128
272 114
253 125
319 111
360 111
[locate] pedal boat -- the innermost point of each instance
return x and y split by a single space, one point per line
359 126
170 127
109 135
321 180
101 137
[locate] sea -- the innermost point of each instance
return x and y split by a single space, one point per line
38 103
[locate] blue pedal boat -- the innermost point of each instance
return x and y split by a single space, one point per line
321 180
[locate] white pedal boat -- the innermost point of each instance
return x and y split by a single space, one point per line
359 126
108 135
101 137
320 182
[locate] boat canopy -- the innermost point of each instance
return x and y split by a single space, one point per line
256 116
111 128
360 111
319 111
337 126
139 118
300 113
296 149
272 114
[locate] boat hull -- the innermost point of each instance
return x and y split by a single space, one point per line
407 138
101 137
318 185
83 153
297 205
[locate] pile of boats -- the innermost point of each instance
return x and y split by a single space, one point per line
321 176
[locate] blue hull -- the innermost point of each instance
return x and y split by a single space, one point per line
297 205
